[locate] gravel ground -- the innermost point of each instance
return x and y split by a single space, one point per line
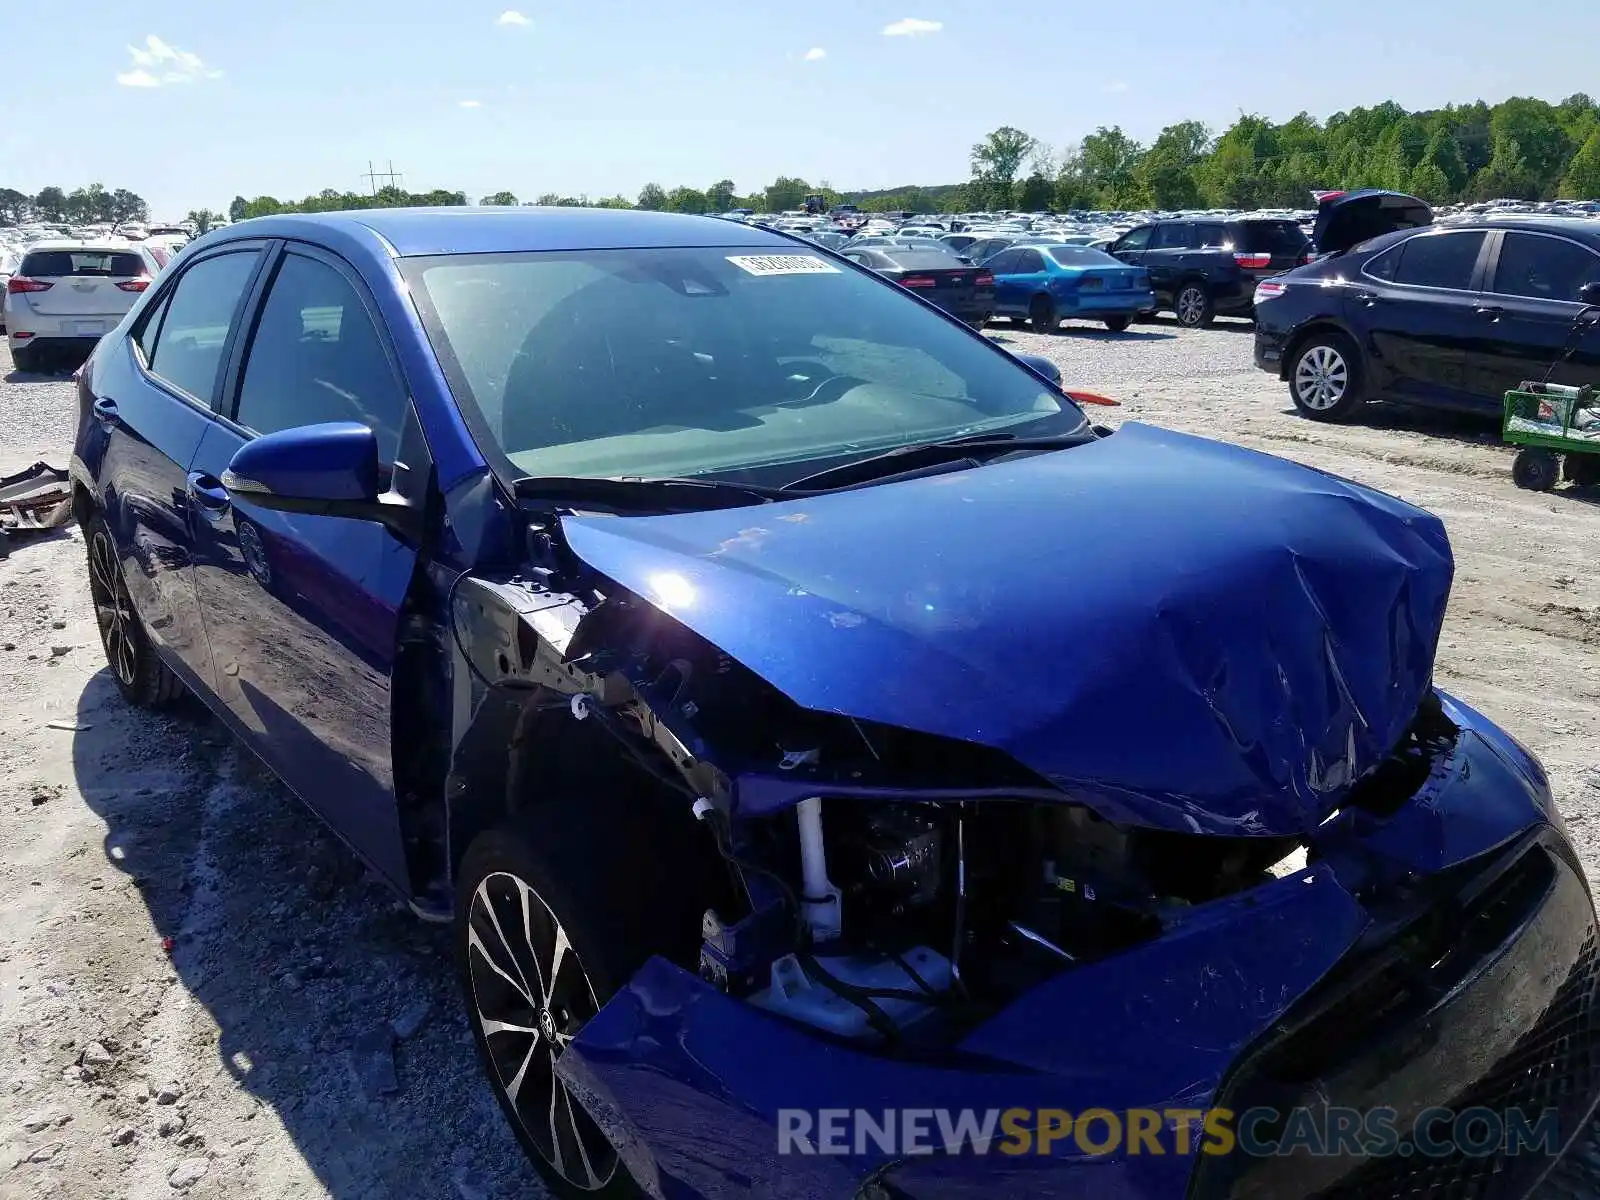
201 990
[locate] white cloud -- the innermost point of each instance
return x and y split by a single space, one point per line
912 27
157 63
816 52
512 17
1118 86
472 104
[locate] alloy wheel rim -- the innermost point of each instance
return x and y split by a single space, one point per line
530 997
113 609
1321 378
1190 305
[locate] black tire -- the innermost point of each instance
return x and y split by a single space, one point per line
1535 470
1118 324
1192 306
142 678
1042 315
25 359
1580 470
598 873
1325 379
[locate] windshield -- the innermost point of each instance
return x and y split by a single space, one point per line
687 361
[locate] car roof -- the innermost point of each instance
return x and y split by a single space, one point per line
409 232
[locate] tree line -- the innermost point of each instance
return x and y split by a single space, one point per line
81 206
1520 148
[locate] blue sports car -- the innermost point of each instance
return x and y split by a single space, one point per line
715 635
1047 284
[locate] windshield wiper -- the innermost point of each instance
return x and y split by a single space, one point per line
902 459
651 495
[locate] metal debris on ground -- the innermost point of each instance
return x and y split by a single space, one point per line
32 502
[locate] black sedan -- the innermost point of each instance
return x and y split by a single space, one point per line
1439 316
958 287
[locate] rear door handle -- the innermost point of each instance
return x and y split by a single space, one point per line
208 494
105 411
1492 311
1367 298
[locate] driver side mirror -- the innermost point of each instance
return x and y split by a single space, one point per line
1589 293
328 470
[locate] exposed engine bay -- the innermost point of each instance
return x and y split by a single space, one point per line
916 920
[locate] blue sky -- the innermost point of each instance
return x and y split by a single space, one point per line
286 97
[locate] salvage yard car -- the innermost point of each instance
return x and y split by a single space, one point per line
1047 284
795 703
65 295
1441 316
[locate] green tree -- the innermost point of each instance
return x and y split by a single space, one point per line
1443 153
614 202
652 196
686 200
14 206
126 206
265 206
239 209
996 161
499 199
1429 182
50 204
719 196
1037 192
202 219
1542 144
1107 160
1507 176
92 203
785 192
1582 181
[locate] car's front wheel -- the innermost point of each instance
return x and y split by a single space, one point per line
1325 380
1118 324
141 676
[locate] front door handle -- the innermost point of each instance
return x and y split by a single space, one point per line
1367 298
1493 311
208 494
105 411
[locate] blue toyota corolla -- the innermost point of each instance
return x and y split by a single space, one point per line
799 707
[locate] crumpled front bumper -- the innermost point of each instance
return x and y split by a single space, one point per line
691 1083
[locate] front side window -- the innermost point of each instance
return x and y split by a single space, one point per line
1544 268
316 357
194 329
1440 260
1135 239
690 361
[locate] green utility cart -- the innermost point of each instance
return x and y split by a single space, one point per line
1558 429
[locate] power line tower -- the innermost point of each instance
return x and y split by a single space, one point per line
389 177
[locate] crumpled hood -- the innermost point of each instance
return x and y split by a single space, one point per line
1180 633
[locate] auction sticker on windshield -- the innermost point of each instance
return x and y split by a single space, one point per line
782 264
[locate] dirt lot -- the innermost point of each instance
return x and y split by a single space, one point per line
200 991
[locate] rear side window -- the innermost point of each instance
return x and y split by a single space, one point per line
1440 260
1270 237
316 356
1544 268
1029 262
65 264
1170 237
1210 233
1004 263
202 308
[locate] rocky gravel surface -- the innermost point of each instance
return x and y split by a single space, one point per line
202 993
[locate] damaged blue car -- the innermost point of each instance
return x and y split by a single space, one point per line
798 706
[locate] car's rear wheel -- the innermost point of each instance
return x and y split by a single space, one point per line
1192 306
1325 380
25 358
1042 314
141 676
1118 324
